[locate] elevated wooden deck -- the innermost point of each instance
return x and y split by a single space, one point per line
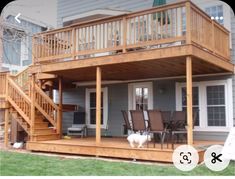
123 45
113 148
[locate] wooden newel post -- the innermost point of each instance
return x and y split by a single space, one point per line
189 100
98 105
188 23
60 115
124 34
32 110
6 127
74 43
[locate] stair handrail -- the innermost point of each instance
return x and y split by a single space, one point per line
22 78
18 99
47 107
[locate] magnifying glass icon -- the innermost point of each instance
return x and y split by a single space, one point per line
185 157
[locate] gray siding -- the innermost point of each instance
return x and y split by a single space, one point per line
210 136
65 9
72 96
164 94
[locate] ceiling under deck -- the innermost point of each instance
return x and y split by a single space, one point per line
141 70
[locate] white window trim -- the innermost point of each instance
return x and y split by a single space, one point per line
105 107
131 98
203 104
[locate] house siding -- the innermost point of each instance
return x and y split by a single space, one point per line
163 98
65 9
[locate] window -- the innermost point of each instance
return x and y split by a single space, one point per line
213 100
216 105
216 13
141 98
92 111
195 102
91 107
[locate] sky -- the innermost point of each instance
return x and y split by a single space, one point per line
39 10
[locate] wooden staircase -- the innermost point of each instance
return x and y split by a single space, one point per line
43 129
30 106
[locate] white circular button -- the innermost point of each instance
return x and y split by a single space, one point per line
185 157
214 158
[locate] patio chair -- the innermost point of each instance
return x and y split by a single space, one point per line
156 125
127 125
166 116
179 126
138 121
79 127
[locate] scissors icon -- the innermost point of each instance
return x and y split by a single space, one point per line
215 157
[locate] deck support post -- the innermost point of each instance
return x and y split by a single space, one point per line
6 128
60 115
32 110
189 100
98 105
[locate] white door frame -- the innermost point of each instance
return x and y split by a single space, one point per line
105 107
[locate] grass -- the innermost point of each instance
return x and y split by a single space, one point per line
18 164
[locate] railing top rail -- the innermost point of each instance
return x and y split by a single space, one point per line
19 90
20 72
4 72
46 97
106 19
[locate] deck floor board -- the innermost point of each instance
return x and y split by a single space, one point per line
113 148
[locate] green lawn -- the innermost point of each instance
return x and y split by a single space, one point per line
15 164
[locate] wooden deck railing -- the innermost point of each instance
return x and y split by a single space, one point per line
19 100
158 27
47 107
22 79
208 33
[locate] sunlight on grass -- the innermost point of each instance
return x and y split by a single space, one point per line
17 164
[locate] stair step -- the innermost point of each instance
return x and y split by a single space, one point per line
39 120
40 124
43 137
44 131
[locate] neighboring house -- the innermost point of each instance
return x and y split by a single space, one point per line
167 94
17 42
